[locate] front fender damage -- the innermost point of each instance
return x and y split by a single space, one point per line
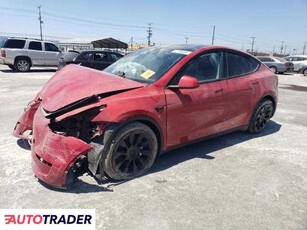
24 126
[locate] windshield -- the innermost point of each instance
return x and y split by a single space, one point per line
146 65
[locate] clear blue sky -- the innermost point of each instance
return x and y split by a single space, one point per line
236 21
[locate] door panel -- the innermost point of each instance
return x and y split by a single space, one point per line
52 54
243 88
52 58
194 113
37 57
239 94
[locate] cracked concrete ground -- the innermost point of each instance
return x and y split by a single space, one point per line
237 181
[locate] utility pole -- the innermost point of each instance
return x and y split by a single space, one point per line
282 47
40 21
285 49
273 50
131 42
304 48
253 42
149 33
186 40
213 33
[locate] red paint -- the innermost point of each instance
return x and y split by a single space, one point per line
186 113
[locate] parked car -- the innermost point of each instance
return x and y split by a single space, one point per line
21 54
303 69
298 61
277 65
116 121
95 59
67 58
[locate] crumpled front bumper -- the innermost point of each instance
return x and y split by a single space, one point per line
54 155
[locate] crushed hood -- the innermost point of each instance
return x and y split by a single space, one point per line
74 83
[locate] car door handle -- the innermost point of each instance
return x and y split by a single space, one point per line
219 90
255 82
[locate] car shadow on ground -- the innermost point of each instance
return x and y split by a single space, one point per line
209 148
206 150
30 71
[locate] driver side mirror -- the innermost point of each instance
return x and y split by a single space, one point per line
186 82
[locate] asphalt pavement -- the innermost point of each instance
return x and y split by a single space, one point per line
236 181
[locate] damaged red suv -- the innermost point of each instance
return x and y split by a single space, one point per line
116 122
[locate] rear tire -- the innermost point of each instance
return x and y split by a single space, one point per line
130 152
273 69
22 65
261 116
304 72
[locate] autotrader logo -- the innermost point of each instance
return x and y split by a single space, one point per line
47 219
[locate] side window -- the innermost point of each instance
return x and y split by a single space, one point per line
14 44
85 57
206 67
51 47
100 57
114 57
35 46
264 59
240 65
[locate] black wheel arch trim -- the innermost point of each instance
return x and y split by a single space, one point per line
150 122
97 154
266 96
26 57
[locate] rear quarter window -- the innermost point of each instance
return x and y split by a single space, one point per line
238 64
35 46
2 41
14 44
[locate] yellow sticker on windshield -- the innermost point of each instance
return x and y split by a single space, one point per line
147 74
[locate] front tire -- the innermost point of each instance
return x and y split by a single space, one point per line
304 72
261 116
131 152
22 65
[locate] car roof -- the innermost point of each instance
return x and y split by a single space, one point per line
107 51
185 47
297 55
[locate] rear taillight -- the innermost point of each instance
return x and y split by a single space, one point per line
3 53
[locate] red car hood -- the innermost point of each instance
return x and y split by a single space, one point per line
74 83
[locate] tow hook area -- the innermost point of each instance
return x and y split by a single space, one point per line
78 169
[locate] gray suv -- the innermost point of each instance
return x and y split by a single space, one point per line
21 54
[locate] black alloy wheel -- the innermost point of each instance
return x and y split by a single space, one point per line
132 152
261 117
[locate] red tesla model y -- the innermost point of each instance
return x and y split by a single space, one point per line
116 122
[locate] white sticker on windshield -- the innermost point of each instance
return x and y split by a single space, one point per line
184 52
